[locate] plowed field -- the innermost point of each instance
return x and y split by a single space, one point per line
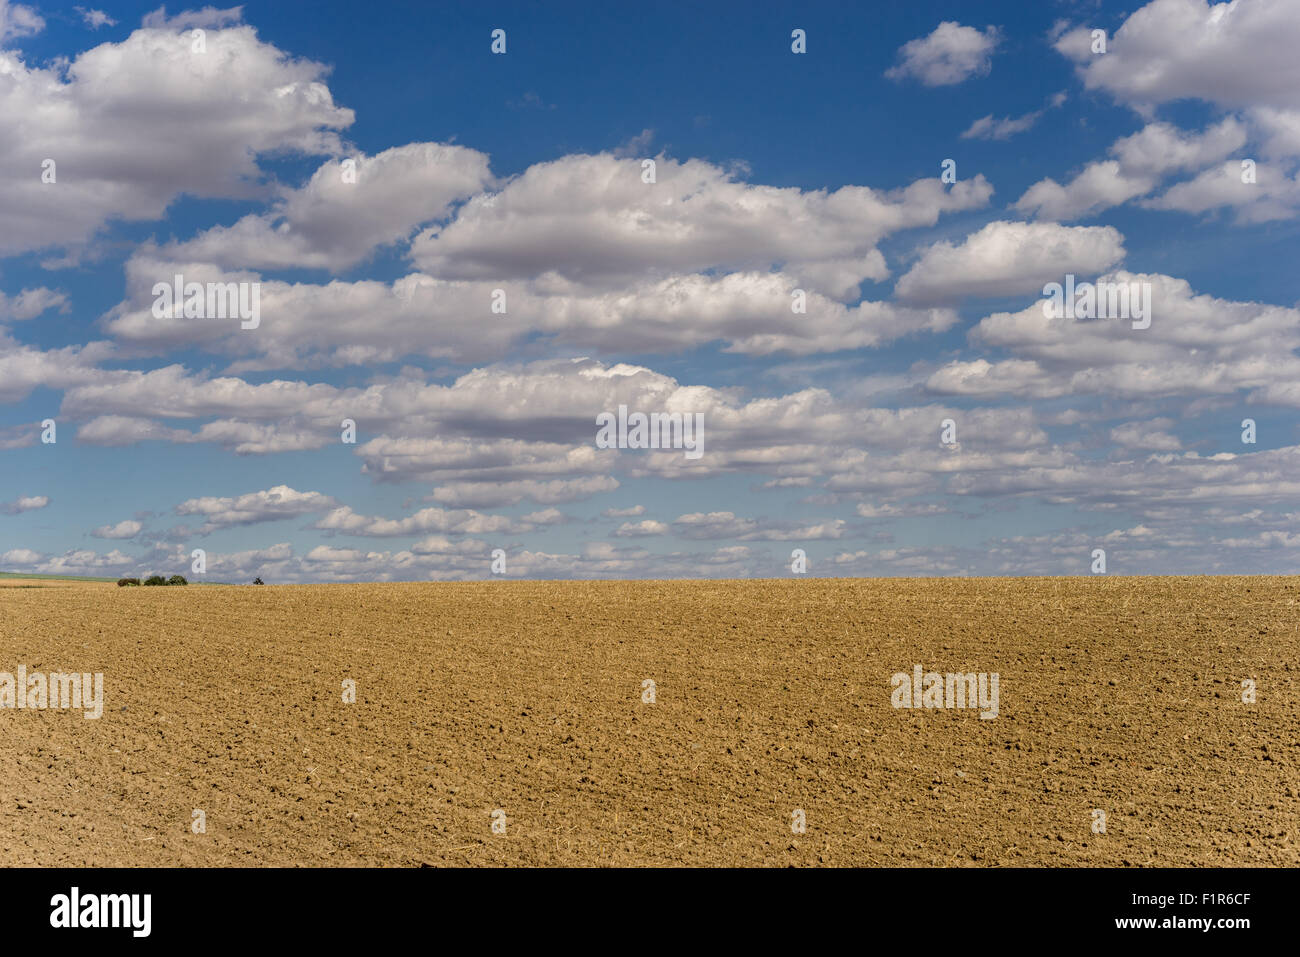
1119 695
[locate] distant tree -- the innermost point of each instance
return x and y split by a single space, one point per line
258 581
155 580
127 581
177 580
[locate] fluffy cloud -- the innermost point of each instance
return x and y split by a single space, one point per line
24 368
632 512
31 303
588 255
110 430
342 323
591 220
127 528
75 561
18 20
641 529
133 125
95 18
1009 258
459 522
19 556
875 511
1279 131
1196 345
1153 480
716 525
502 434
266 506
24 503
1151 436
951 54
333 223
1238 54
1273 194
492 493
1141 162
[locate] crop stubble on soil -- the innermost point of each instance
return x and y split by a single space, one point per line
1116 693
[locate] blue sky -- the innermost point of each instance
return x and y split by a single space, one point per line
775 171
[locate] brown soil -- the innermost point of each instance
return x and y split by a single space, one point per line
1120 694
